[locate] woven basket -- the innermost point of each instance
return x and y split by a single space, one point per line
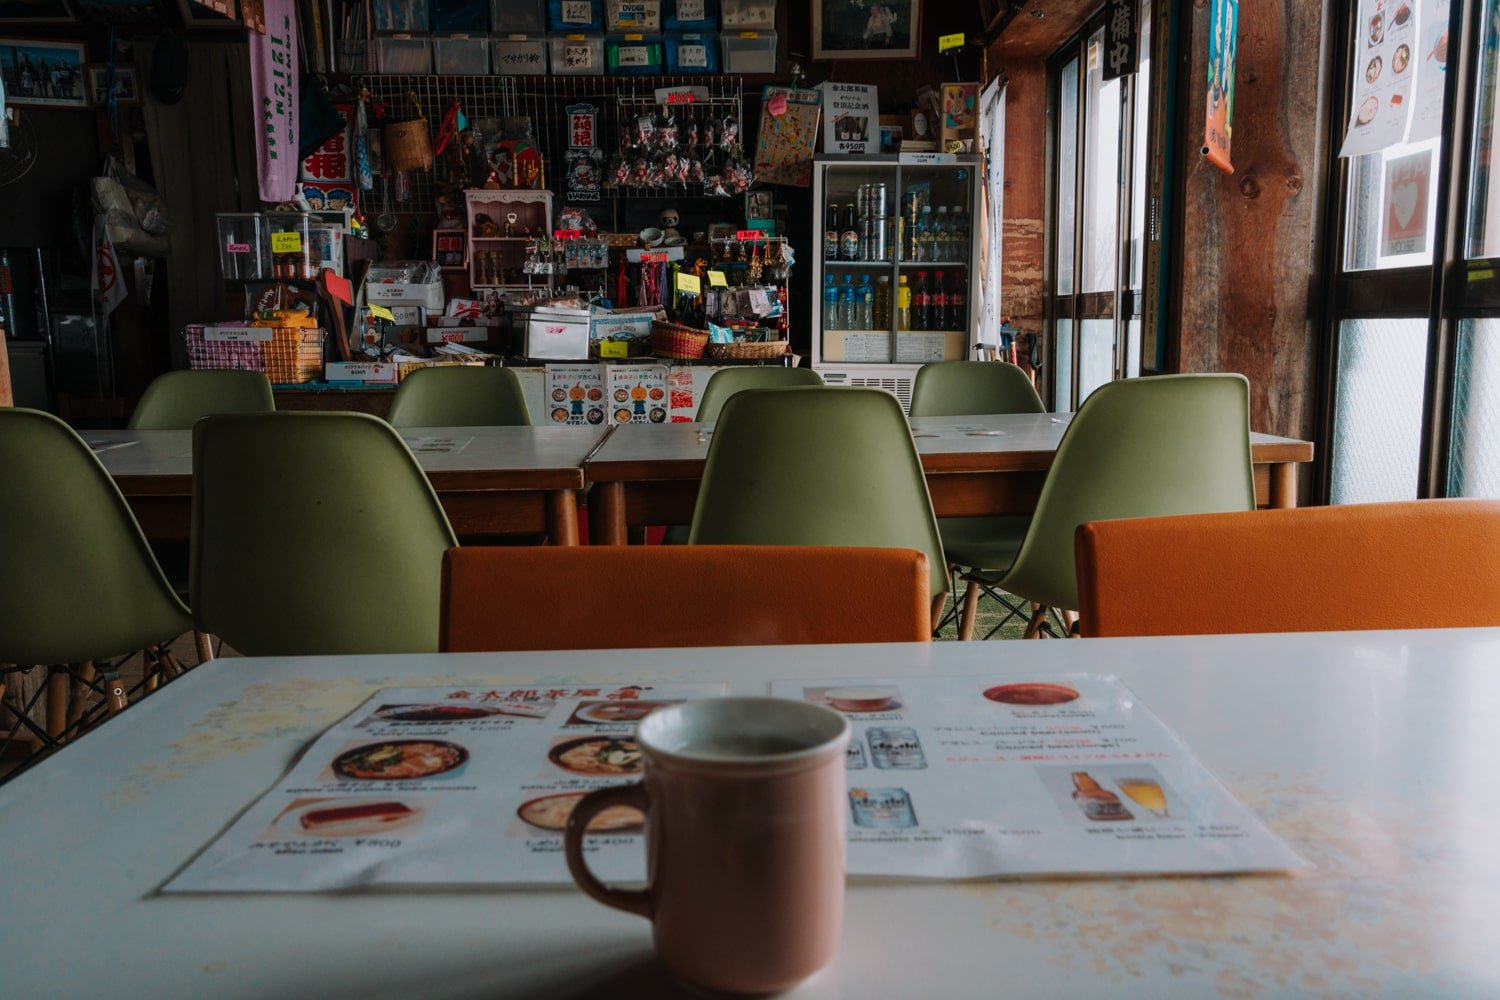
756 350
673 340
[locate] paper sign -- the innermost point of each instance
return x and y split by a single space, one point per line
1430 61
1404 226
948 42
237 334
680 97
653 258
927 159
1218 122
689 284
716 279
381 312
286 242
236 248
852 122
1382 66
614 348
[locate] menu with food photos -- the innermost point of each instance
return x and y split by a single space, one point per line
966 777
440 786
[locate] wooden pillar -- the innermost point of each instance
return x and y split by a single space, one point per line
1247 296
7 397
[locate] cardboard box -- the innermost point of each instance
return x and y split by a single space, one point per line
410 283
575 395
637 394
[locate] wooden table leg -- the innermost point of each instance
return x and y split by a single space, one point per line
607 514
562 517
58 683
1283 492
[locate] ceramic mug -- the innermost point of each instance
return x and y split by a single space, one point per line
744 803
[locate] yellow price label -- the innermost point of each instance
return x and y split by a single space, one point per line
716 279
614 348
946 42
381 312
635 38
749 34
689 284
286 242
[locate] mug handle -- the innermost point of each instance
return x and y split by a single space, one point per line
630 900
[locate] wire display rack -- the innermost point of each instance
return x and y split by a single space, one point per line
542 102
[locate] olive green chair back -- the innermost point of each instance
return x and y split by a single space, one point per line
1142 447
314 533
816 466
77 579
727 381
175 401
459 396
965 388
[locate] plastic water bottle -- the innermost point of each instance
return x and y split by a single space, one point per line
960 237
942 236
846 304
831 317
924 234
864 304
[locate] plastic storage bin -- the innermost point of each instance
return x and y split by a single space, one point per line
633 15
576 55
460 16
291 246
404 55
573 16
401 15
691 15
519 55
355 57
693 52
244 247
749 14
750 52
633 55
518 17
461 55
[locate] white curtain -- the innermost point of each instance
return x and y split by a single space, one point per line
992 142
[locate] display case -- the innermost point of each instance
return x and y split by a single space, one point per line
904 231
501 225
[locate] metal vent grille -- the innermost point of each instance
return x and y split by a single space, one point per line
900 387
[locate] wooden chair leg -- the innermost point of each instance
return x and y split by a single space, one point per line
57 701
115 698
151 667
205 646
971 608
1034 626
82 673
938 603
1070 622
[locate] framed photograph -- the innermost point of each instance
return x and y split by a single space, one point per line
35 12
865 29
43 73
212 14
127 88
758 205
960 113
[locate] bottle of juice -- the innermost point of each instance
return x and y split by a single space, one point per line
903 305
942 236
882 303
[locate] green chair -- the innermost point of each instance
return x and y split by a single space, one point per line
967 388
78 583
1146 447
175 401
816 466
459 396
314 533
727 381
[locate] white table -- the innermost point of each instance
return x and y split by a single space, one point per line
491 480
1372 754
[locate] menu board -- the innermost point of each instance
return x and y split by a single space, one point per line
436 786
964 777
575 394
637 394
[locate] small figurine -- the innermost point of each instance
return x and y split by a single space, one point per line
668 221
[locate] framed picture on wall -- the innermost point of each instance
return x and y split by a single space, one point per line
865 29
35 12
44 74
127 89
213 14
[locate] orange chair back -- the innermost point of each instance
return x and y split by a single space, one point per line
623 597
1415 564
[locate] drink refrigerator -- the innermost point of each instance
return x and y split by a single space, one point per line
897 202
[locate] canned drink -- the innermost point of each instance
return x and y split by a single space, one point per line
862 200
877 200
854 757
895 748
882 808
878 243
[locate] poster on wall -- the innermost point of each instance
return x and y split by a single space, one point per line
856 29
328 173
852 124
1404 221
1223 31
1431 65
788 133
1382 64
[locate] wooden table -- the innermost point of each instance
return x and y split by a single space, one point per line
1367 752
498 481
981 465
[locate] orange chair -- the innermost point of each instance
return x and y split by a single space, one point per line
1416 564
622 597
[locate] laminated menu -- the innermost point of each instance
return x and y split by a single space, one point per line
964 777
437 786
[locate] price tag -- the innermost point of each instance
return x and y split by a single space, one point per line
690 284
286 242
635 38
716 279
947 43
236 248
567 234
237 334
614 349
680 96
381 312
776 105
653 258
749 235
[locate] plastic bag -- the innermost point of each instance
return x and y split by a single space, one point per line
135 216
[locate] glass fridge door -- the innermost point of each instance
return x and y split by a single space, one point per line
936 261
856 308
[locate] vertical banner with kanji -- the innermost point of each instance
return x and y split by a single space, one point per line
1121 39
328 174
273 87
1223 28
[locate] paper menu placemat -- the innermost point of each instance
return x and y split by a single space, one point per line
444 786
963 778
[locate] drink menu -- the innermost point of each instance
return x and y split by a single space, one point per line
440 786
966 777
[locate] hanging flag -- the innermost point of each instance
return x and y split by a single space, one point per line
1223 32
274 89
107 282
